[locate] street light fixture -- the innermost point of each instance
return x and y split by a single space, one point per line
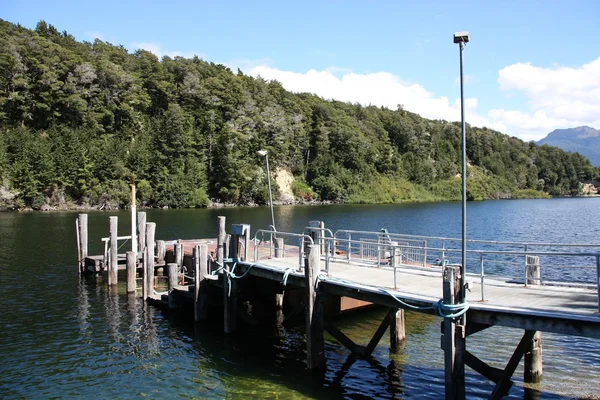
462 38
265 153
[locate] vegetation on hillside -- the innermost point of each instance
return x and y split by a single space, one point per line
80 121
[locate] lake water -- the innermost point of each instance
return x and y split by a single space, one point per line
66 337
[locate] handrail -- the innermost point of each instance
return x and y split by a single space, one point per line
301 237
540 244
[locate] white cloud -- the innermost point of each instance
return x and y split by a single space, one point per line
158 51
379 88
558 97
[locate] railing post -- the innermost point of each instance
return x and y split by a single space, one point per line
598 280
482 277
526 272
349 247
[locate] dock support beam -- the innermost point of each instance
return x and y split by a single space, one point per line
113 266
229 285
453 339
161 250
315 344
82 240
221 236
200 261
131 261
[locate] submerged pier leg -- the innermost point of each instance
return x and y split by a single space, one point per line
453 339
315 344
533 360
397 330
113 266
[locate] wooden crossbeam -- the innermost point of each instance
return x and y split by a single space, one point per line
474 327
492 373
504 384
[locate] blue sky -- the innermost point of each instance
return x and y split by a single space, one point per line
531 66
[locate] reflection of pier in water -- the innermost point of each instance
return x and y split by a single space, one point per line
312 276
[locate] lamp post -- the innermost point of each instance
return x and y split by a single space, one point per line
265 154
462 38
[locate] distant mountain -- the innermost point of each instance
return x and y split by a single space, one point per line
583 140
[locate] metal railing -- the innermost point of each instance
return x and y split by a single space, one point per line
302 241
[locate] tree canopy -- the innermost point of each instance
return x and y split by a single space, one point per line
80 121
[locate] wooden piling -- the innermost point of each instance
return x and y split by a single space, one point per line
279 245
131 261
453 339
200 261
533 270
315 344
141 230
114 246
150 232
82 230
161 251
173 273
533 369
145 290
397 330
221 235
178 253
230 293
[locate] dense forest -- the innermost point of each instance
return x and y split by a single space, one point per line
81 121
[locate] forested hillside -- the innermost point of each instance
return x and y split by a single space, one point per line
80 121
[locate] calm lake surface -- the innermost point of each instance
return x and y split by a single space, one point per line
66 337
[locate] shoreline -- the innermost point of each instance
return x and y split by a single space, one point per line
216 205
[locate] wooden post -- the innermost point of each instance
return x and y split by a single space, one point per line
131 261
150 231
230 293
220 239
453 339
83 239
161 250
141 230
173 273
279 247
533 360
134 243
227 250
315 344
200 257
178 253
397 330
145 290
246 254
533 270
113 266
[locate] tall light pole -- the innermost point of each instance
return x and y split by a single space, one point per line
265 154
462 38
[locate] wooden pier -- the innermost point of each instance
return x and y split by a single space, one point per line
319 275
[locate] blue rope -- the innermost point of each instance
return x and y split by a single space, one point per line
286 274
